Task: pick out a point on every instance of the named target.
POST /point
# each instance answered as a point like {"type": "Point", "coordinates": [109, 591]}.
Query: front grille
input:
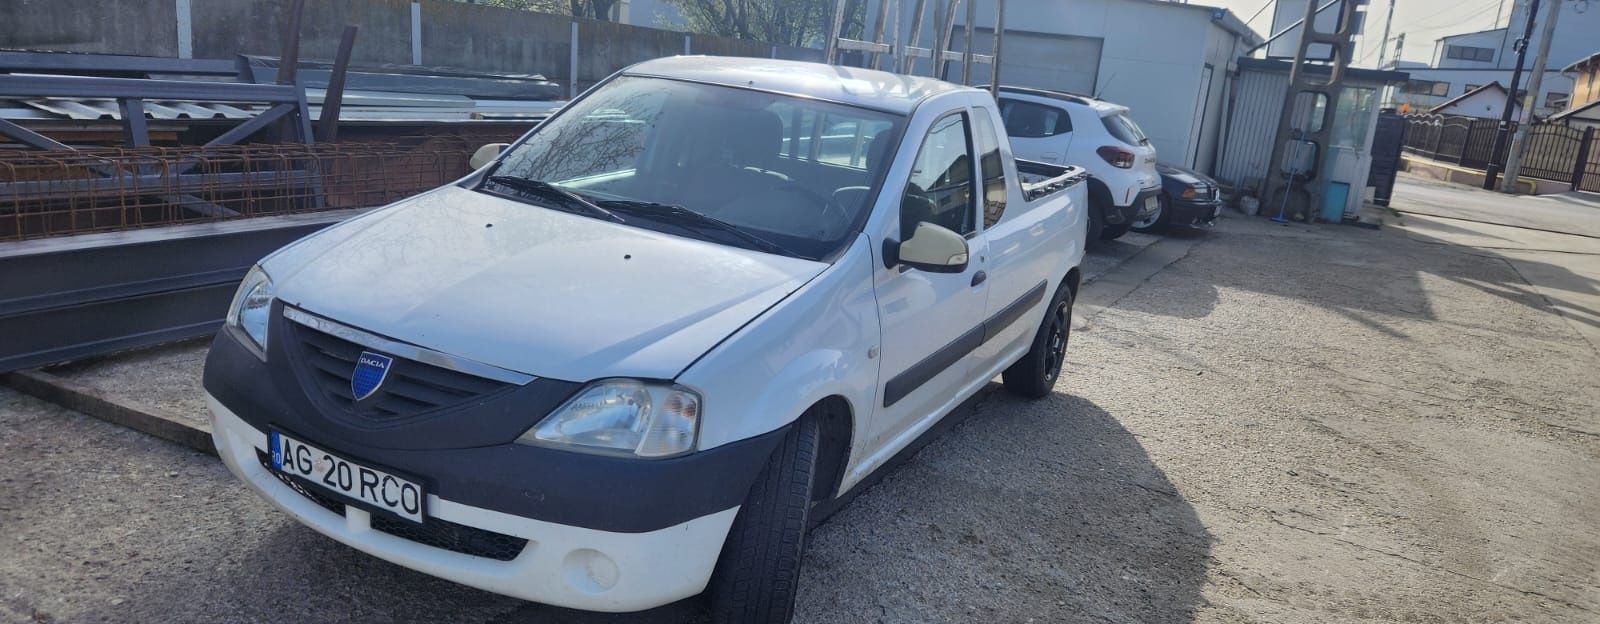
{"type": "Point", "coordinates": [453, 537]}
{"type": "Point", "coordinates": [458, 538]}
{"type": "Point", "coordinates": [411, 387]}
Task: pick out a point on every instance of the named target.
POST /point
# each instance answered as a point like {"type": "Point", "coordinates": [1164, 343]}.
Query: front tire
{"type": "Point", "coordinates": [1034, 376]}
{"type": "Point", "coordinates": [759, 569]}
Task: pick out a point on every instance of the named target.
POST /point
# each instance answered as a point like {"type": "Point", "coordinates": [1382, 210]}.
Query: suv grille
{"type": "Point", "coordinates": [411, 387]}
{"type": "Point", "coordinates": [458, 538]}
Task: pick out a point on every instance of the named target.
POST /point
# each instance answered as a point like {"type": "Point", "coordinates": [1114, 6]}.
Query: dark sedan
{"type": "Point", "coordinates": [1187, 198]}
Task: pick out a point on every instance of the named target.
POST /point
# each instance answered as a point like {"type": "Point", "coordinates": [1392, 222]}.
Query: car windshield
{"type": "Point", "coordinates": [733, 166]}
{"type": "Point", "coordinates": [1122, 127]}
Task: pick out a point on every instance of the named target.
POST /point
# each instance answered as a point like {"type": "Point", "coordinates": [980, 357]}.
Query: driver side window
{"type": "Point", "coordinates": [940, 190]}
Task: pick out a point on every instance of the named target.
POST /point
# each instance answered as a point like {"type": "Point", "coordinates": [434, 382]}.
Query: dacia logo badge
{"type": "Point", "coordinates": [371, 370]}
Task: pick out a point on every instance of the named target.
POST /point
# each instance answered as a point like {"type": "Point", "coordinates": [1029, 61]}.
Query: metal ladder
{"type": "Point", "coordinates": [903, 59]}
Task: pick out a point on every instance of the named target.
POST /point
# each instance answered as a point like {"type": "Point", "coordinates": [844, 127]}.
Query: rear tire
{"type": "Point", "coordinates": [1097, 224]}
{"type": "Point", "coordinates": [1113, 232]}
{"type": "Point", "coordinates": [759, 569]}
{"type": "Point", "coordinates": [1034, 376]}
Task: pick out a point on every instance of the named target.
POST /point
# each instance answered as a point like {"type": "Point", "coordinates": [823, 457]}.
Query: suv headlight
{"type": "Point", "coordinates": [252, 305]}
{"type": "Point", "coordinates": [623, 417]}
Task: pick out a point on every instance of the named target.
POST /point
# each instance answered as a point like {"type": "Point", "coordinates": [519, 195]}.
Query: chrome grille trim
{"type": "Point", "coordinates": [407, 351]}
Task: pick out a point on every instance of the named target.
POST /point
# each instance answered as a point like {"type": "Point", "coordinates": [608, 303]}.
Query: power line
{"type": "Point", "coordinates": [1471, 16]}
{"type": "Point", "coordinates": [1259, 11]}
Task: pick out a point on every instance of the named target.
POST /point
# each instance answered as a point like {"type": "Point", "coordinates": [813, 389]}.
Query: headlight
{"type": "Point", "coordinates": [623, 417]}
{"type": "Point", "coordinates": [1191, 193]}
{"type": "Point", "coordinates": [252, 305]}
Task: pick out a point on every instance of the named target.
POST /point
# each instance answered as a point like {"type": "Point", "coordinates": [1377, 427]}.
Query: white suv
{"type": "Point", "coordinates": [1057, 127]}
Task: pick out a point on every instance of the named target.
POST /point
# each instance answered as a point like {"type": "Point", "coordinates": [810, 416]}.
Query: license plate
{"type": "Point", "coordinates": [376, 488]}
{"type": "Point", "coordinates": [1152, 203]}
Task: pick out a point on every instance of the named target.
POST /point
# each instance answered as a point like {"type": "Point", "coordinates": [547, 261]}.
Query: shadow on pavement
{"type": "Point", "coordinates": [1373, 272]}
{"type": "Point", "coordinates": [1048, 511]}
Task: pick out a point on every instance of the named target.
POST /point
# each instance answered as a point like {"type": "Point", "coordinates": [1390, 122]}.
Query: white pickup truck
{"type": "Point", "coordinates": [619, 365]}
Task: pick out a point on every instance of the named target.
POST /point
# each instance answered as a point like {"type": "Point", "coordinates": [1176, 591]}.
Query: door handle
{"type": "Point", "coordinates": [979, 278]}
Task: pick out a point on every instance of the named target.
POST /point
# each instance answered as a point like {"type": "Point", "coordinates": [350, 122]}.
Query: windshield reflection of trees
{"type": "Point", "coordinates": [605, 136]}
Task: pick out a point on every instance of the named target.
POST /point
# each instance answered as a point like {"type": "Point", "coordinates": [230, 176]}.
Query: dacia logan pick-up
{"type": "Point", "coordinates": [618, 365]}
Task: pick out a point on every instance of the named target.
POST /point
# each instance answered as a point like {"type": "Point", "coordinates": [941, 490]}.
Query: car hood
{"type": "Point", "coordinates": [1185, 176]}
{"type": "Point", "coordinates": [530, 289]}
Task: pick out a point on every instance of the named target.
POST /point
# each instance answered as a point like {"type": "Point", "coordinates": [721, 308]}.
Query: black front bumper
{"type": "Point", "coordinates": [446, 449]}
{"type": "Point", "coordinates": [1186, 212]}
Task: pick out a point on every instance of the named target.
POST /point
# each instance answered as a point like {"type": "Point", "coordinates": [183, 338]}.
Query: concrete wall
{"type": "Point", "coordinates": [224, 28]}
{"type": "Point", "coordinates": [149, 26]}
{"type": "Point", "coordinates": [453, 34]}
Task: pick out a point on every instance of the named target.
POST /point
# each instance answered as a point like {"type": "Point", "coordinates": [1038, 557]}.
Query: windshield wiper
{"type": "Point", "coordinates": [566, 198]}
{"type": "Point", "coordinates": [682, 215]}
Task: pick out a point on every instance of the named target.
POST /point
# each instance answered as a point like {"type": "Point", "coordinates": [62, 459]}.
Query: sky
{"type": "Point", "coordinates": [1421, 20]}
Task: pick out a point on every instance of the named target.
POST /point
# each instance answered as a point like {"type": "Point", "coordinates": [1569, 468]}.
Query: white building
{"type": "Point", "coordinates": [1485, 102]}
{"type": "Point", "coordinates": [1168, 62]}
{"type": "Point", "coordinates": [1463, 62]}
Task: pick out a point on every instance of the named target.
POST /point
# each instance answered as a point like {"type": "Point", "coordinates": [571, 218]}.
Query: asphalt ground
{"type": "Point", "coordinates": [1281, 424]}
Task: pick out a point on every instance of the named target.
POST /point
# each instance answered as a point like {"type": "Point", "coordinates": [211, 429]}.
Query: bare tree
{"type": "Point", "coordinates": [788, 22]}
{"type": "Point", "coordinates": [591, 9]}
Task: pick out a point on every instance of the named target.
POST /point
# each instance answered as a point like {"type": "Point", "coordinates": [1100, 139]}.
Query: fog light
{"type": "Point", "coordinates": [589, 571]}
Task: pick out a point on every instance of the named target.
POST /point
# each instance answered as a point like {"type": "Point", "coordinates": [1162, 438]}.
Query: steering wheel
{"type": "Point", "coordinates": [824, 203]}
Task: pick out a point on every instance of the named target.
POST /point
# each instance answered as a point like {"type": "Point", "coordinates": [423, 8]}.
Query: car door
{"type": "Point", "coordinates": [1038, 131]}
{"type": "Point", "coordinates": [929, 322]}
{"type": "Point", "coordinates": [1025, 250]}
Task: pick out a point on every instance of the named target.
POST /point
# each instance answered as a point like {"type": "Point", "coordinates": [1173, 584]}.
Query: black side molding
{"type": "Point", "coordinates": [920, 373]}
{"type": "Point", "coordinates": [1008, 315]}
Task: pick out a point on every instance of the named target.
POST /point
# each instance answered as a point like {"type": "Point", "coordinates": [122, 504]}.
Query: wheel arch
{"type": "Point", "coordinates": [1100, 195]}
{"type": "Point", "coordinates": [836, 421]}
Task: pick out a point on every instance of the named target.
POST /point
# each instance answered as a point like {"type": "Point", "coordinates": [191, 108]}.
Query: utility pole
{"type": "Point", "coordinates": [1518, 142]}
{"type": "Point", "coordinates": [1383, 48]}
{"type": "Point", "coordinates": [1501, 133]}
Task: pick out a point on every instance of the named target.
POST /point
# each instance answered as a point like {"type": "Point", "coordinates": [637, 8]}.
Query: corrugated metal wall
{"type": "Point", "coordinates": [1256, 106]}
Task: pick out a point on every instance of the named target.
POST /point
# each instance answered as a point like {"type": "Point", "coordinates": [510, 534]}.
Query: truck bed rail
{"type": "Point", "coordinates": [1040, 179]}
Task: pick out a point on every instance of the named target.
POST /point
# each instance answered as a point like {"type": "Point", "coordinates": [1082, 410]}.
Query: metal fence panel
{"type": "Point", "coordinates": [1550, 152]}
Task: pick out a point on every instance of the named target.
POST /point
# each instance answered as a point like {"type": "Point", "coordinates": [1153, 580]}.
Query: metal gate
{"type": "Point", "coordinates": [1552, 152]}
{"type": "Point", "coordinates": [1387, 142]}
{"type": "Point", "coordinates": [1589, 163]}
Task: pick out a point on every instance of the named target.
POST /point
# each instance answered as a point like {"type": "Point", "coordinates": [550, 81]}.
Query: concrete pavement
{"type": "Point", "coordinates": [1280, 424]}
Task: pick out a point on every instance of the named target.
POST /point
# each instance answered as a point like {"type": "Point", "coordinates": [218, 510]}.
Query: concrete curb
{"type": "Point", "coordinates": [1139, 265]}
{"type": "Point", "coordinates": [83, 399]}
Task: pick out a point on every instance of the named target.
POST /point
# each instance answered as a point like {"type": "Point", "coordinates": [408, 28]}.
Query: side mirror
{"type": "Point", "coordinates": [935, 249]}
{"type": "Point", "coordinates": [486, 155]}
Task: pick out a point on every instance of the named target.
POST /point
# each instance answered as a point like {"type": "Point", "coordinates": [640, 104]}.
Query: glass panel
{"type": "Point", "coordinates": [1350, 120]}
{"type": "Point", "coordinates": [940, 188]}
{"type": "Point", "coordinates": [1122, 127]}
{"type": "Point", "coordinates": [1317, 115]}
{"type": "Point", "coordinates": [741, 156]}
{"type": "Point", "coordinates": [1030, 120]}
{"type": "Point", "coordinates": [993, 171]}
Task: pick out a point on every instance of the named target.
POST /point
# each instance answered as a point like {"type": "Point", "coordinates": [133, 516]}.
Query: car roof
{"type": "Point", "coordinates": [867, 88]}
{"type": "Point", "coordinates": [1102, 107]}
